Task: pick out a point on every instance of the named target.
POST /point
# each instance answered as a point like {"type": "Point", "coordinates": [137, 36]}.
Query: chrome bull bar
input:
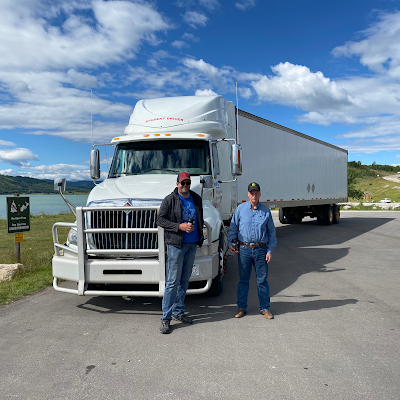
{"type": "Point", "coordinates": [86, 246]}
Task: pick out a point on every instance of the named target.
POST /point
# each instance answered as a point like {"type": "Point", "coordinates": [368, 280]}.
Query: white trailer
{"type": "Point", "coordinates": [301, 175]}
{"type": "Point", "coordinates": [115, 247]}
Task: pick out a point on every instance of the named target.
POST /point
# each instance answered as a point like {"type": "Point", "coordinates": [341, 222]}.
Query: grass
{"type": "Point", "coordinates": [36, 254]}
{"type": "Point", "coordinates": [379, 188]}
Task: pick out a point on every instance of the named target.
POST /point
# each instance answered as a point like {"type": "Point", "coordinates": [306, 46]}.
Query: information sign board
{"type": "Point", "coordinates": [18, 214]}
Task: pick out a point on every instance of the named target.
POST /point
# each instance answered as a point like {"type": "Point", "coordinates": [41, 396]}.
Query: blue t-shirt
{"type": "Point", "coordinates": [188, 211]}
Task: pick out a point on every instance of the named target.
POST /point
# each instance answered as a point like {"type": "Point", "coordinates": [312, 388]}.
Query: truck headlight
{"type": "Point", "coordinates": [73, 237]}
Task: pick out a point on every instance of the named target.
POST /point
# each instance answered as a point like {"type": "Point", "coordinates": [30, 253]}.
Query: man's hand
{"type": "Point", "coordinates": [232, 250]}
{"type": "Point", "coordinates": [185, 227]}
{"type": "Point", "coordinates": [268, 257]}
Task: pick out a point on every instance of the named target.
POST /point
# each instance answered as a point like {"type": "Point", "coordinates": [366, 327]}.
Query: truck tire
{"type": "Point", "coordinates": [282, 219]}
{"type": "Point", "coordinates": [288, 217]}
{"type": "Point", "coordinates": [328, 214]}
{"type": "Point", "coordinates": [217, 283]}
{"type": "Point", "coordinates": [336, 214]}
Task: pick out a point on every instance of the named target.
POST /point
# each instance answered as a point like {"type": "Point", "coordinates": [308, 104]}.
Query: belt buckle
{"type": "Point", "coordinates": [253, 244]}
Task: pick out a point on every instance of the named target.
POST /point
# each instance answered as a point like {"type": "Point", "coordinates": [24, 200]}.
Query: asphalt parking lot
{"type": "Point", "coordinates": [336, 332]}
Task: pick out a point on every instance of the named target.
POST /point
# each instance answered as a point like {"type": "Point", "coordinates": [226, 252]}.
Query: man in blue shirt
{"type": "Point", "coordinates": [181, 216]}
{"type": "Point", "coordinates": [253, 226]}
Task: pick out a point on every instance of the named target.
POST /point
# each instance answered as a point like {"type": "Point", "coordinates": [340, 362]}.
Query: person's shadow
{"type": "Point", "coordinates": [302, 249]}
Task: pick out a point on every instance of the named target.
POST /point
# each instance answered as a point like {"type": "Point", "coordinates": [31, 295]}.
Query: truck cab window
{"type": "Point", "coordinates": [161, 157]}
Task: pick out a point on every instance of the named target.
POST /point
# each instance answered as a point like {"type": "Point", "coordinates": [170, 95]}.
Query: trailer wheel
{"type": "Point", "coordinates": [336, 214]}
{"type": "Point", "coordinates": [288, 217]}
{"type": "Point", "coordinates": [328, 214]}
{"type": "Point", "coordinates": [282, 219]}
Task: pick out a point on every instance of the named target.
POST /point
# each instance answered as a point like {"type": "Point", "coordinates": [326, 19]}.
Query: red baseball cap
{"type": "Point", "coordinates": [182, 176]}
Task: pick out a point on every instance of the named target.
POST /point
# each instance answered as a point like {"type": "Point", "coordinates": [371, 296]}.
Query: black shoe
{"type": "Point", "coordinates": [164, 328]}
{"type": "Point", "coordinates": [183, 318]}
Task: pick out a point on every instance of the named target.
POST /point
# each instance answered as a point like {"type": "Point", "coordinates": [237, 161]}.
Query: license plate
{"type": "Point", "coordinates": [195, 270]}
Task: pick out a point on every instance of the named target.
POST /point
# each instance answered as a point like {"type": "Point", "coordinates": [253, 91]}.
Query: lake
{"type": "Point", "coordinates": [45, 203]}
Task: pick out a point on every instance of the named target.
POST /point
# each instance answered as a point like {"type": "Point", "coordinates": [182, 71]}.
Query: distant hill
{"type": "Point", "coordinates": [367, 180]}
{"type": "Point", "coordinates": [22, 185]}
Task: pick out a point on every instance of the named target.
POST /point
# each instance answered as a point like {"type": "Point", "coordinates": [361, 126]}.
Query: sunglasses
{"type": "Point", "coordinates": [185, 183]}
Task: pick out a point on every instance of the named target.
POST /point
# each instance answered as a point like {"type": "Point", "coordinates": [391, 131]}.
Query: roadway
{"type": "Point", "coordinates": [335, 296]}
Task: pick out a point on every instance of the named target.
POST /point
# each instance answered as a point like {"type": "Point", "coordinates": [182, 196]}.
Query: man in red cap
{"type": "Point", "coordinates": [181, 216]}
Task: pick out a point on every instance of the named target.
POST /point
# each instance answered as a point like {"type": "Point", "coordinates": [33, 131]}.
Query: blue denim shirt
{"type": "Point", "coordinates": [253, 226]}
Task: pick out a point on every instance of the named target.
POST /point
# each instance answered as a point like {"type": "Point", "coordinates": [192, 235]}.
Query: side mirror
{"type": "Point", "coordinates": [236, 160]}
{"type": "Point", "coordinates": [207, 181]}
{"type": "Point", "coordinates": [60, 183]}
{"type": "Point", "coordinates": [95, 164]}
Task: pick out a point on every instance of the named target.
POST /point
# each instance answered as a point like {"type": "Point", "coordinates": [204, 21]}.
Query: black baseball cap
{"type": "Point", "coordinates": [254, 186]}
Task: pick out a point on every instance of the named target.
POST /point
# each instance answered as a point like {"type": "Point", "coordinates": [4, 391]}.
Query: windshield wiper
{"type": "Point", "coordinates": [116, 174]}
{"type": "Point", "coordinates": [161, 169]}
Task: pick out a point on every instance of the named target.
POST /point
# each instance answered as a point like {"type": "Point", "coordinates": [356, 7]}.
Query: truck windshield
{"type": "Point", "coordinates": [161, 157]}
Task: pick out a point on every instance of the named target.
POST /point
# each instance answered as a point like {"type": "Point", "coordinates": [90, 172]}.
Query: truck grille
{"type": "Point", "coordinates": [122, 219]}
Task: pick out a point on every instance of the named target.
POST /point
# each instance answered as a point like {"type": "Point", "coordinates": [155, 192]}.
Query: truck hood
{"type": "Point", "coordinates": [148, 187]}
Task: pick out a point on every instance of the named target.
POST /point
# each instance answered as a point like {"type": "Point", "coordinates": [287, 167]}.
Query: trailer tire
{"type": "Point", "coordinates": [288, 217]}
{"type": "Point", "coordinates": [336, 214]}
{"type": "Point", "coordinates": [328, 214]}
{"type": "Point", "coordinates": [282, 218]}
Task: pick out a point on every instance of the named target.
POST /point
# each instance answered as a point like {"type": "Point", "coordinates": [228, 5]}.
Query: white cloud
{"type": "Point", "coordinates": [6, 143]}
{"type": "Point", "coordinates": [191, 37]}
{"type": "Point", "coordinates": [179, 44]}
{"type": "Point", "coordinates": [245, 5]}
{"type": "Point", "coordinates": [205, 92]}
{"type": "Point", "coordinates": [115, 33]}
{"type": "Point", "coordinates": [220, 78]}
{"type": "Point", "coordinates": [210, 4]}
{"type": "Point", "coordinates": [80, 79]}
{"type": "Point", "coordinates": [18, 157]}
{"type": "Point", "coordinates": [380, 50]}
{"type": "Point", "coordinates": [245, 92]}
{"type": "Point", "coordinates": [296, 85]}
{"type": "Point", "coordinates": [50, 108]}
{"type": "Point", "coordinates": [195, 19]}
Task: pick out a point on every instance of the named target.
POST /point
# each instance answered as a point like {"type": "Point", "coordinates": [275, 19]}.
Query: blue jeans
{"type": "Point", "coordinates": [180, 264]}
{"type": "Point", "coordinates": [247, 258]}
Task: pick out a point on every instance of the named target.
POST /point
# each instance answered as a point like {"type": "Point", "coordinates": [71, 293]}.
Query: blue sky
{"type": "Point", "coordinates": [327, 69]}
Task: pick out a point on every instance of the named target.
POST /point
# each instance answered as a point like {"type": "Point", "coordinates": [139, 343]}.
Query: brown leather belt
{"type": "Point", "coordinates": [252, 245]}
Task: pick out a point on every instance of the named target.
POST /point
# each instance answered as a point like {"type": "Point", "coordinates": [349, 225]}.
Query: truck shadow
{"type": "Point", "coordinates": [302, 249]}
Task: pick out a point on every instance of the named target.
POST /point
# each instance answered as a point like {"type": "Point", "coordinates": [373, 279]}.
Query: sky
{"type": "Point", "coordinates": [330, 70]}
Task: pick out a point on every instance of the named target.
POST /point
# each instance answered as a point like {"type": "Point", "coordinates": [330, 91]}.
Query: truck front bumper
{"type": "Point", "coordinates": [137, 271]}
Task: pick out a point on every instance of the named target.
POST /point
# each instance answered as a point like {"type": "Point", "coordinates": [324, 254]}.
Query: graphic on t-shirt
{"type": "Point", "coordinates": [188, 211]}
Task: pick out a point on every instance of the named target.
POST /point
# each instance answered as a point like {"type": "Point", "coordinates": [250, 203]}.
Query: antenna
{"type": "Point", "coordinates": [91, 113]}
{"type": "Point", "coordinates": [237, 114]}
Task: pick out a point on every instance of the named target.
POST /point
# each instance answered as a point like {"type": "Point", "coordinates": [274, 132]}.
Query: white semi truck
{"type": "Point", "coordinates": [115, 247]}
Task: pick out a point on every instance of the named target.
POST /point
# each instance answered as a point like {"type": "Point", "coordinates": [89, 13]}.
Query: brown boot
{"type": "Point", "coordinates": [240, 313]}
{"type": "Point", "coordinates": [267, 314]}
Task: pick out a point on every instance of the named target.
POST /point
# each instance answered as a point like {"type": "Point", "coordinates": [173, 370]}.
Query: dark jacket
{"type": "Point", "coordinates": [170, 217]}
